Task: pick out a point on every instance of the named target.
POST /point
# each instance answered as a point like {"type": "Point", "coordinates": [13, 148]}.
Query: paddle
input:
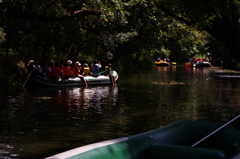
{"type": "Point", "coordinates": [28, 77]}
{"type": "Point", "coordinates": [215, 131]}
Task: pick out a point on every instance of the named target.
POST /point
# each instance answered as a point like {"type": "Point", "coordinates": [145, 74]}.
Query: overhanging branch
{"type": "Point", "coordinates": [168, 12]}
{"type": "Point", "coordinates": [43, 18]}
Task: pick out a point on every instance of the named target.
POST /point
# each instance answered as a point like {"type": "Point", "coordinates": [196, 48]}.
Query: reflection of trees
{"type": "Point", "coordinates": [199, 98]}
{"type": "Point", "coordinates": [228, 94]}
{"type": "Point", "coordinates": [48, 116]}
{"type": "Point", "coordinates": [198, 70]}
{"type": "Point", "coordinates": [77, 102]}
{"type": "Point", "coordinates": [162, 68]}
{"type": "Point", "coordinates": [66, 118]}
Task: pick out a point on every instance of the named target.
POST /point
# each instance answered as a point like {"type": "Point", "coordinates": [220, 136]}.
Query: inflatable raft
{"type": "Point", "coordinates": [100, 80]}
{"type": "Point", "coordinates": [173, 141]}
{"type": "Point", "coordinates": [162, 63]}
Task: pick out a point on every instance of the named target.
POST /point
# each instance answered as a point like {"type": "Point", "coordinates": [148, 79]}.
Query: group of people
{"type": "Point", "coordinates": [68, 69]}
{"type": "Point", "coordinates": [198, 60]}
{"type": "Point", "coordinates": [163, 59]}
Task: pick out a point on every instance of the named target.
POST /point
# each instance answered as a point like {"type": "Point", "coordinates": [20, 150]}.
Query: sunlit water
{"type": "Point", "coordinates": [40, 122]}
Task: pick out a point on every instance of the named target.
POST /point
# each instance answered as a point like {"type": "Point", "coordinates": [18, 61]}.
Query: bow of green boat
{"type": "Point", "coordinates": [169, 142]}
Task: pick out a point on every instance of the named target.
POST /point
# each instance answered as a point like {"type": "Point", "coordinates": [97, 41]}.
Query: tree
{"type": "Point", "coordinates": [62, 27]}
{"type": "Point", "coordinates": [220, 18]}
{"type": "Point", "coordinates": [130, 29]}
{"type": "Point", "coordinates": [45, 11]}
{"type": "Point", "coordinates": [2, 36]}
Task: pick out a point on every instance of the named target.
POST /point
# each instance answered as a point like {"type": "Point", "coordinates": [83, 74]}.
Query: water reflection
{"type": "Point", "coordinates": [163, 68]}
{"type": "Point", "coordinates": [200, 96]}
{"type": "Point", "coordinates": [45, 115]}
{"type": "Point", "coordinates": [75, 102]}
{"type": "Point", "coordinates": [198, 70]}
{"type": "Point", "coordinates": [41, 122]}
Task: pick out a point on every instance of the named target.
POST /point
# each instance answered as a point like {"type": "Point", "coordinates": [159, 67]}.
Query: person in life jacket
{"type": "Point", "coordinates": [108, 69]}
{"type": "Point", "coordinates": [86, 70]}
{"type": "Point", "coordinates": [66, 71]}
{"type": "Point", "coordinates": [32, 68]}
{"type": "Point", "coordinates": [76, 69]}
{"type": "Point", "coordinates": [76, 72]}
{"type": "Point", "coordinates": [69, 62]}
{"type": "Point", "coordinates": [55, 71]}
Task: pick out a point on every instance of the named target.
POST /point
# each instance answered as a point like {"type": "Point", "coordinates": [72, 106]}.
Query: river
{"type": "Point", "coordinates": [40, 122]}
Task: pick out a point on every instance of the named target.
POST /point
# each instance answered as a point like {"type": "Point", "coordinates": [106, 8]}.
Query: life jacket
{"type": "Point", "coordinates": [66, 71]}
{"type": "Point", "coordinates": [75, 71]}
{"type": "Point", "coordinates": [86, 71]}
{"type": "Point", "coordinates": [55, 71]}
{"type": "Point", "coordinates": [107, 70]}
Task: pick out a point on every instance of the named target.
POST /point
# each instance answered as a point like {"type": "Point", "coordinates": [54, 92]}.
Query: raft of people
{"type": "Point", "coordinates": [66, 70]}
{"type": "Point", "coordinates": [198, 60]}
{"type": "Point", "coordinates": [163, 59]}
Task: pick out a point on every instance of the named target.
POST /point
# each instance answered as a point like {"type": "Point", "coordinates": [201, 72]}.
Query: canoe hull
{"type": "Point", "coordinates": [100, 80]}
{"type": "Point", "coordinates": [200, 64]}
{"type": "Point", "coordinates": [173, 63]}
{"type": "Point", "coordinates": [203, 64]}
{"type": "Point", "coordinates": [163, 142]}
{"type": "Point", "coordinates": [162, 63]}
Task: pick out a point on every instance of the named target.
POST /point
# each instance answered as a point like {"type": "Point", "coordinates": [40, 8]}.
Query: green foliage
{"type": "Point", "coordinates": [185, 42]}
{"type": "Point", "coordinates": [2, 35]}
{"type": "Point", "coordinates": [220, 18]}
{"type": "Point", "coordinates": [126, 32]}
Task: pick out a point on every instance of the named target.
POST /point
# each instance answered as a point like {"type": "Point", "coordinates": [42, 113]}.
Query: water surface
{"type": "Point", "coordinates": [39, 122]}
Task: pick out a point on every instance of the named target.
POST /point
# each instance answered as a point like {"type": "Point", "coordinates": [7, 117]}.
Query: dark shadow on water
{"type": "Point", "coordinates": [39, 122]}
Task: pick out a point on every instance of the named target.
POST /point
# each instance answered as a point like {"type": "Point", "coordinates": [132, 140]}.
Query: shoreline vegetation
{"type": "Point", "coordinates": [131, 33]}
{"type": "Point", "coordinates": [13, 69]}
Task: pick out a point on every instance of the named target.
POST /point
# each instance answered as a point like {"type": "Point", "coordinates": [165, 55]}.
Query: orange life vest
{"type": "Point", "coordinates": [66, 71]}
{"type": "Point", "coordinates": [75, 71]}
{"type": "Point", "coordinates": [55, 71]}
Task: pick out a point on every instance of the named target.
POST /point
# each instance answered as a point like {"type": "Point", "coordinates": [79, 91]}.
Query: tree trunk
{"type": "Point", "coordinates": [7, 47]}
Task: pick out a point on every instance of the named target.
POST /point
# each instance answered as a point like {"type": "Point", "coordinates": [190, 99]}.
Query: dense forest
{"type": "Point", "coordinates": [129, 33]}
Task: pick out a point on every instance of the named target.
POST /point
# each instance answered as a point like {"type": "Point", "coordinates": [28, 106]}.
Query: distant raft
{"type": "Point", "coordinates": [162, 63]}
{"type": "Point", "coordinates": [199, 64]}
{"type": "Point", "coordinates": [203, 64]}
